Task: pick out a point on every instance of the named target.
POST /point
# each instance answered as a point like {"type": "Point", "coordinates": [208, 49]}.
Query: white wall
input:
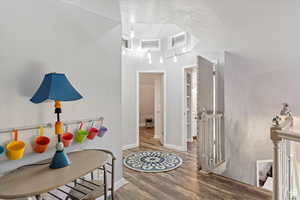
{"type": "Point", "coordinates": [261, 69]}
{"type": "Point", "coordinates": [38, 37]}
{"type": "Point", "coordinates": [134, 62]}
{"type": "Point", "coordinates": [261, 72]}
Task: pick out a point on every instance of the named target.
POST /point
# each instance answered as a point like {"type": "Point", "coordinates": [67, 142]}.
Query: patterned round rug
{"type": "Point", "coordinates": [152, 161]}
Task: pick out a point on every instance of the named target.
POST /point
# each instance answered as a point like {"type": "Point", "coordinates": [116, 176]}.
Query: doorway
{"type": "Point", "coordinates": [151, 108]}
{"type": "Point", "coordinates": [190, 105]}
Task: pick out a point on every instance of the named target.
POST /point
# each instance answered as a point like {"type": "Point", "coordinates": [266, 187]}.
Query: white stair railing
{"type": "Point", "coordinates": [211, 141]}
{"type": "Point", "coordinates": [285, 174]}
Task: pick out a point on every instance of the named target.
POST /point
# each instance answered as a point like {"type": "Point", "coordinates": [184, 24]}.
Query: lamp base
{"type": "Point", "coordinates": [60, 160]}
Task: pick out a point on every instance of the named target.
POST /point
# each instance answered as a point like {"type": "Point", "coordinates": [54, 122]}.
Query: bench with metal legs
{"type": "Point", "coordinates": [40, 182]}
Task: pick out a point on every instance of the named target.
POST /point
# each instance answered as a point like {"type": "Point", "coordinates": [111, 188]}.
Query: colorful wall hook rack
{"type": "Point", "coordinates": [50, 125]}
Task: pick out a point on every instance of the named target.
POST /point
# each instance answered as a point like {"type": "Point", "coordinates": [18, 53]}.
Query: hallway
{"type": "Point", "coordinates": [184, 183]}
{"type": "Point", "coordinates": [147, 137]}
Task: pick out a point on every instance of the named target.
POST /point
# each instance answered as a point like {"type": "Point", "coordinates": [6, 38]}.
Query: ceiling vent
{"type": "Point", "coordinates": [180, 40]}
{"type": "Point", "coordinates": [152, 44]}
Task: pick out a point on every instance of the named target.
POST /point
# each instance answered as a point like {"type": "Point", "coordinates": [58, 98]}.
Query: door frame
{"type": "Point", "coordinates": [184, 130]}
{"type": "Point", "coordinates": [164, 76]}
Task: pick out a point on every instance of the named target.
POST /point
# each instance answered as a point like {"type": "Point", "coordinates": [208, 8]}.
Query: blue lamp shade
{"type": "Point", "coordinates": [55, 87]}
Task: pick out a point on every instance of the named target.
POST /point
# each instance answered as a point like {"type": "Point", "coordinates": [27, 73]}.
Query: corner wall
{"type": "Point", "coordinates": [261, 72]}
{"type": "Point", "coordinates": [38, 37]}
{"type": "Point", "coordinates": [252, 98]}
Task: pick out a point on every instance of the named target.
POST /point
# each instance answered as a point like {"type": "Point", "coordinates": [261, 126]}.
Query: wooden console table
{"type": "Point", "coordinates": [37, 179]}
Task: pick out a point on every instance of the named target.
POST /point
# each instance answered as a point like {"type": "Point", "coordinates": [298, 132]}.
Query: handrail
{"type": "Point", "coordinates": [49, 125]}
{"type": "Point", "coordinates": [289, 135]}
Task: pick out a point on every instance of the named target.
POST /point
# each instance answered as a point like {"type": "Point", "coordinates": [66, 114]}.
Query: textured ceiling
{"type": "Point", "coordinates": [164, 11]}
{"type": "Point", "coordinates": [234, 25]}
{"type": "Point", "coordinates": [104, 8]}
{"type": "Point", "coordinates": [155, 17]}
{"type": "Point", "coordinates": [220, 25]}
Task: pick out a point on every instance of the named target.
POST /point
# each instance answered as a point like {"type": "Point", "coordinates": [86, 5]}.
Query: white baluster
{"type": "Point", "coordinates": [276, 171]}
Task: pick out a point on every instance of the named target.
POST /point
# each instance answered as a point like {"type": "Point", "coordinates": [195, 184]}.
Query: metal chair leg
{"type": "Point", "coordinates": [112, 177]}
{"type": "Point", "coordinates": [92, 176]}
{"type": "Point", "coordinates": [105, 182]}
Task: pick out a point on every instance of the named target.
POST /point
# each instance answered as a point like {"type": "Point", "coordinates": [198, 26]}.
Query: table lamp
{"type": "Point", "coordinates": [57, 87]}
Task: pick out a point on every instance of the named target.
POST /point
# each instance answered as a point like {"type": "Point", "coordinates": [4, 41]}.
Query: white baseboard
{"type": "Point", "coordinates": [176, 147]}
{"type": "Point", "coordinates": [120, 183]}
{"type": "Point", "coordinates": [129, 146]}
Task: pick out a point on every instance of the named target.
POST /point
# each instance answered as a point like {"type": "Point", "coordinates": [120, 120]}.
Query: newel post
{"type": "Point", "coordinates": [276, 160]}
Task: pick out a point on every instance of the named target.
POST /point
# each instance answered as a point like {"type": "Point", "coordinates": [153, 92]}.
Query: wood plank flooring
{"type": "Point", "coordinates": [184, 183]}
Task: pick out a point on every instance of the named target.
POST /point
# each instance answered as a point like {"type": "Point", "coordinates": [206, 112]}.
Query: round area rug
{"type": "Point", "coordinates": [152, 161]}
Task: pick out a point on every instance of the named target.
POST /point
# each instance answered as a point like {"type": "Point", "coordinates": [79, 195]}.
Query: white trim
{"type": "Point", "coordinates": [137, 128]}
{"type": "Point", "coordinates": [176, 147]}
{"type": "Point", "coordinates": [183, 122]}
{"type": "Point", "coordinates": [129, 146]}
{"type": "Point", "coordinates": [165, 107]}
{"type": "Point", "coordinates": [164, 74]}
{"type": "Point", "coordinates": [120, 183]}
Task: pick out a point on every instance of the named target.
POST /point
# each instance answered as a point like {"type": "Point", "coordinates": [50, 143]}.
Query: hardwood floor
{"type": "Point", "coordinates": [147, 137]}
{"type": "Point", "coordinates": [184, 183]}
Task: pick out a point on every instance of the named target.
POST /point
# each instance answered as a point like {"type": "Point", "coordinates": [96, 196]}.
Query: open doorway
{"type": "Point", "coordinates": [151, 104]}
{"type": "Point", "coordinates": [190, 105]}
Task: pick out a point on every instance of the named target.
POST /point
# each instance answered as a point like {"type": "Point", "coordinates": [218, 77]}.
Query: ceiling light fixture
{"type": "Point", "coordinates": [161, 60]}
{"type": "Point", "coordinates": [132, 19]}
{"type": "Point", "coordinates": [175, 59]}
{"type": "Point", "coordinates": [132, 34]}
{"type": "Point", "coordinates": [149, 56]}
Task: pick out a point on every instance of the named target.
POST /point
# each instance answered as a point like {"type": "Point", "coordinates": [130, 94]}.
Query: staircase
{"type": "Point", "coordinates": [285, 166]}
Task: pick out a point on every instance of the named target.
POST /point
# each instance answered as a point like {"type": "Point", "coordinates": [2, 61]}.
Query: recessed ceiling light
{"type": "Point", "coordinates": [132, 34]}
{"type": "Point", "coordinates": [161, 60]}
{"type": "Point", "coordinates": [132, 19]}
{"type": "Point", "coordinates": [149, 55]}
{"type": "Point", "coordinates": [175, 59]}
